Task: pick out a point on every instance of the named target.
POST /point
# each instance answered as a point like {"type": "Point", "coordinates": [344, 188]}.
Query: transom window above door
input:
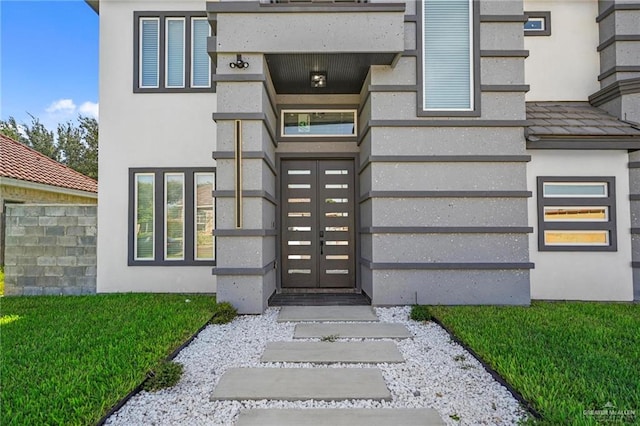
{"type": "Point", "coordinates": [318, 123]}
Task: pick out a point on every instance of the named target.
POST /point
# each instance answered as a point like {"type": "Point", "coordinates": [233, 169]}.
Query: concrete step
{"type": "Point", "coordinates": [340, 417]}
{"type": "Point", "coordinates": [299, 384]}
{"type": "Point", "coordinates": [330, 352]}
{"type": "Point", "coordinates": [326, 313]}
{"type": "Point", "coordinates": [379, 330]}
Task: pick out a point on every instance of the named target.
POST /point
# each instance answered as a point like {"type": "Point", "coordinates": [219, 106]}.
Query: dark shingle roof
{"type": "Point", "coordinates": [18, 161]}
{"type": "Point", "coordinates": [576, 119]}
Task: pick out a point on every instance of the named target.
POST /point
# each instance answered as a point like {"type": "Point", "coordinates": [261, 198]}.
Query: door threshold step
{"type": "Point", "coordinates": [376, 330]}
{"type": "Point", "coordinates": [332, 352]}
{"type": "Point", "coordinates": [319, 299]}
{"type": "Point", "coordinates": [299, 384]}
{"type": "Point", "coordinates": [326, 313]}
{"type": "Point", "coordinates": [340, 417]}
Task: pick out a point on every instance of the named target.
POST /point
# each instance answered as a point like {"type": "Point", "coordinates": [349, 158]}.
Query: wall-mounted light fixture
{"type": "Point", "coordinates": [239, 63]}
{"type": "Point", "coordinates": [318, 79]}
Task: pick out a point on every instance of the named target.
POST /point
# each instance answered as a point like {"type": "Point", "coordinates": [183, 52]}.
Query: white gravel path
{"type": "Point", "coordinates": [438, 373]}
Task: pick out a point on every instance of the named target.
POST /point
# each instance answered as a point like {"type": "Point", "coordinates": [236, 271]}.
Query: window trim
{"type": "Point", "coordinates": [159, 216]}
{"type": "Point", "coordinates": [608, 201]}
{"type": "Point", "coordinates": [545, 16]}
{"type": "Point", "coordinates": [474, 87]}
{"type": "Point", "coordinates": [137, 45]}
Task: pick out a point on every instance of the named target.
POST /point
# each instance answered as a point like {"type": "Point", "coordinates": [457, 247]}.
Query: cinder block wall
{"type": "Point", "coordinates": [50, 249]}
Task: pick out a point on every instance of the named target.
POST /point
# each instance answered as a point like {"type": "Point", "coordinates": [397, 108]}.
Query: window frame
{"type": "Point", "coordinates": [164, 17]}
{"type": "Point", "coordinates": [285, 111]}
{"type": "Point", "coordinates": [474, 63]}
{"type": "Point", "coordinates": [545, 16]}
{"type": "Point", "coordinates": [159, 215]}
{"type": "Point", "coordinates": [608, 201]}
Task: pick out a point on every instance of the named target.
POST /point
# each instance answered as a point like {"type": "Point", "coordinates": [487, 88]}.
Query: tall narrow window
{"type": "Point", "coordinates": [200, 61]}
{"type": "Point", "coordinates": [204, 216]}
{"type": "Point", "coordinates": [149, 52]}
{"type": "Point", "coordinates": [447, 40]}
{"type": "Point", "coordinates": [144, 223]}
{"type": "Point", "coordinates": [175, 52]}
{"type": "Point", "coordinates": [174, 215]}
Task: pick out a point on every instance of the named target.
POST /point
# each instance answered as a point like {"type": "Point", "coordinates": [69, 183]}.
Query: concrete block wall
{"type": "Point", "coordinates": [19, 194]}
{"type": "Point", "coordinates": [444, 206]}
{"type": "Point", "coordinates": [50, 249]}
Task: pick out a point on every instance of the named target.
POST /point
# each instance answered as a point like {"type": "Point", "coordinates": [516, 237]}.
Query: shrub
{"type": "Point", "coordinates": [165, 376]}
{"type": "Point", "coordinates": [223, 313]}
{"type": "Point", "coordinates": [420, 313]}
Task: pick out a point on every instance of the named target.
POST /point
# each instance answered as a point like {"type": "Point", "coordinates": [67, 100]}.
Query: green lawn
{"type": "Point", "coordinates": [564, 358]}
{"type": "Point", "coordinates": [68, 360]}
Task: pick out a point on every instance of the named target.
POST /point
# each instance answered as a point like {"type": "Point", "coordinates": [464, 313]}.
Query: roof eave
{"type": "Point", "coordinates": [630, 143]}
{"type": "Point", "coordinates": [19, 183]}
{"type": "Point", "coordinates": [94, 4]}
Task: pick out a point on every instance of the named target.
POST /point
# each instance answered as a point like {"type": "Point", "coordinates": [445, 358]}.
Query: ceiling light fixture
{"type": "Point", "coordinates": [318, 79]}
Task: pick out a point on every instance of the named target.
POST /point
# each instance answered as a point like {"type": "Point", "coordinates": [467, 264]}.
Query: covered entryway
{"type": "Point", "coordinates": [317, 224]}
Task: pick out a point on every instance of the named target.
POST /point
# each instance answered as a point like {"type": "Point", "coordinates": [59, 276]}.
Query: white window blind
{"type": "Point", "coordinates": [175, 52]}
{"type": "Point", "coordinates": [200, 62]}
{"type": "Point", "coordinates": [149, 52]}
{"type": "Point", "coordinates": [447, 55]}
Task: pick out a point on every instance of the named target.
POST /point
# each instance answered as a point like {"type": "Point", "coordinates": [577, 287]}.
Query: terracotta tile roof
{"type": "Point", "coordinates": [576, 119]}
{"type": "Point", "coordinates": [18, 161]}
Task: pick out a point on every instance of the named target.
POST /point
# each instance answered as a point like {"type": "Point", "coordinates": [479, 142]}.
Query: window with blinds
{"type": "Point", "coordinates": [171, 52]}
{"type": "Point", "coordinates": [200, 61]}
{"type": "Point", "coordinates": [447, 55]}
{"type": "Point", "coordinates": [175, 52]}
{"type": "Point", "coordinates": [149, 52]}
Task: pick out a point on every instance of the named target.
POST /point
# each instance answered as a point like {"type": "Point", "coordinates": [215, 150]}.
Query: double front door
{"type": "Point", "coordinates": [318, 224]}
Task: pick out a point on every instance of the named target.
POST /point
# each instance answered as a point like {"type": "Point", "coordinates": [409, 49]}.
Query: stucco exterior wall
{"type": "Point", "coordinates": [143, 130]}
{"type": "Point", "coordinates": [582, 275]}
{"type": "Point", "coordinates": [565, 65]}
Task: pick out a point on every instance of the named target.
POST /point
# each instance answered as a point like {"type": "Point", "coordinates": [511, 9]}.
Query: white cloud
{"type": "Point", "coordinates": [89, 109]}
{"type": "Point", "coordinates": [64, 106]}
{"type": "Point", "coordinates": [64, 110]}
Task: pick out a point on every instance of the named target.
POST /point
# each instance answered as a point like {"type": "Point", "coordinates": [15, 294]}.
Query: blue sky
{"type": "Point", "coordinates": [48, 60]}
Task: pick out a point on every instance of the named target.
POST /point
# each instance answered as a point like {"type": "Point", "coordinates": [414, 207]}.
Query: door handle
{"type": "Point", "coordinates": [321, 247]}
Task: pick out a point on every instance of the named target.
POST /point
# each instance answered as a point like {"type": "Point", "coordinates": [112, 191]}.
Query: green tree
{"type": "Point", "coordinates": [11, 129]}
{"type": "Point", "coordinates": [41, 139]}
{"type": "Point", "coordinates": [75, 145]}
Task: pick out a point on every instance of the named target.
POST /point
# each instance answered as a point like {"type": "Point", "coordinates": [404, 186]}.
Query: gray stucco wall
{"type": "Point", "coordinates": [245, 265]}
{"type": "Point", "coordinates": [634, 189]}
{"type": "Point", "coordinates": [50, 249]}
{"type": "Point", "coordinates": [442, 200]}
{"type": "Point", "coordinates": [444, 206]}
{"type": "Point", "coordinates": [619, 31]}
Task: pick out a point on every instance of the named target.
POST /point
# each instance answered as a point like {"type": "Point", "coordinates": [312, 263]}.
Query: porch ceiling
{"type": "Point", "coordinates": [346, 72]}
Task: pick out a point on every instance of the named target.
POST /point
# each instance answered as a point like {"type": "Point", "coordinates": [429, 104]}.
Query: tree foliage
{"type": "Point", "coordinates": [72, 144]}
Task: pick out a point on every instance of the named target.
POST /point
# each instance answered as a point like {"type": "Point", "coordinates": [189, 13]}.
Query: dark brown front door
{"type": "Point", "coordinates": [318, 224]}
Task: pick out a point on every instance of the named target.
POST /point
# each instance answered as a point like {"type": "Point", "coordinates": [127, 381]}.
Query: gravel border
{"type": "Point", "coordinates": [438, 373]}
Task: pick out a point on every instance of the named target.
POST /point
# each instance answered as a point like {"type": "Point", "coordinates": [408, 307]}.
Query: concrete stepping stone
{"type": "Point", "coordinates": [340, 417]}
{"type": "Point", "coordinates": [299, 384]}
{"type": "Point", "coordinates": [329, 352]}
{"type": "Point", "coordinates": [326, 313]}
{"type": "Point", "coordinates": [380, 330]}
